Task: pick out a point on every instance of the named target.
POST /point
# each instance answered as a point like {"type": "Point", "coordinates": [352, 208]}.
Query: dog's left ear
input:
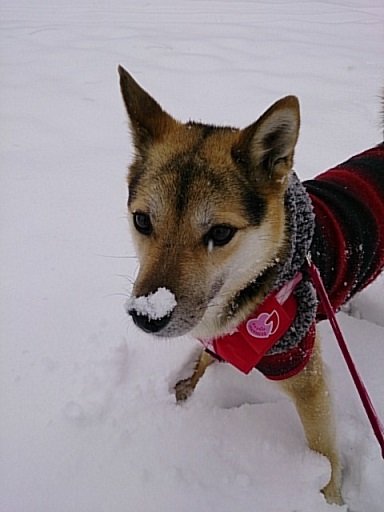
{"type": "Point", "coordinates": [149, 122]}
{"type": "Point", "coordinates": [269, 143]}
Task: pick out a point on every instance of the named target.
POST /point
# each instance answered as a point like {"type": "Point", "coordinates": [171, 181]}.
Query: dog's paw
{"type": "Point", "coordinates": [184, 389]}
{"type": "Point", "coordinates": [332, 494]}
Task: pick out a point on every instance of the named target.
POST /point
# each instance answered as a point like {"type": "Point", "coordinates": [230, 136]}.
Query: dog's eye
{"type": "Point", "coordinates": [142, 223]}
{"type": "Point", "coordinates": [219, 235]}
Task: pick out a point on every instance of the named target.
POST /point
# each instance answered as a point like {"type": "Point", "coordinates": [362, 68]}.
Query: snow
{"type": "Point", "coordinates": [155, 305]}
{"type": "Point", "coordinates": [89, 420]}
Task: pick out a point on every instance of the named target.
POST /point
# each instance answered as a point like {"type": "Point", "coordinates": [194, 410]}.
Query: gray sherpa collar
{"type": "Point", "coordinates": [300, 221]}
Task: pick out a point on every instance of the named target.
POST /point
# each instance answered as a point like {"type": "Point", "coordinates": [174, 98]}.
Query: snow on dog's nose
{"type": "Point", "coordinates": [152, 312]}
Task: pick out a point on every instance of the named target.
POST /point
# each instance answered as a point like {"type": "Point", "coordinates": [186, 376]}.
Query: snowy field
{"type": "Point", "coordinates": [89, 422]}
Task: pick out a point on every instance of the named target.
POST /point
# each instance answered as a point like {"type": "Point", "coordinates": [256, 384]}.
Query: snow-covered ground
{"type": "Point", "coordinates": [89, 421]}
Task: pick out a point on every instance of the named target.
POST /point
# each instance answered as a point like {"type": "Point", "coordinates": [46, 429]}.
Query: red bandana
{"type": "Point", "coordinates": [252, 339]}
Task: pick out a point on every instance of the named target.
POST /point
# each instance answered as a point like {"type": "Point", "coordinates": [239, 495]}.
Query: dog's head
{"type": "Point", "coordinates": [206, 206]}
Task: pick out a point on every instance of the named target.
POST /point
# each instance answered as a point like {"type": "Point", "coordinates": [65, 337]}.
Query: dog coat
{"type": "Point", "coordinates": [345, 235]}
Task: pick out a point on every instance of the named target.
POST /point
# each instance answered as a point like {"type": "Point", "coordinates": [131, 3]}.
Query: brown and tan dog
{"type": "Point", "coordinates": [215, 234]}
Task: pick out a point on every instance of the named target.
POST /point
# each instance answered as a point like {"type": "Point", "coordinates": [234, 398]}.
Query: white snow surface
{"type": "Point", "coordinates": [154, 305]}
{"type": "Point", "coordinates": [89, 421]}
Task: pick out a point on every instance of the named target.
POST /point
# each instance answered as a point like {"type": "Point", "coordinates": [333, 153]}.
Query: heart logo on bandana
{"type": "Point", "coordinates": [264, 326]}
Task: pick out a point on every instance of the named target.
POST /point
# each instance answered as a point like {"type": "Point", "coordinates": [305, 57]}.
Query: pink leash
{"type": "Point", "coordinates": [364, 396]}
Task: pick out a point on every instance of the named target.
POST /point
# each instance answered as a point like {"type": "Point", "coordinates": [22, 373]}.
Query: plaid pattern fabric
{"type": "Point", "coordinates": [348, 242]}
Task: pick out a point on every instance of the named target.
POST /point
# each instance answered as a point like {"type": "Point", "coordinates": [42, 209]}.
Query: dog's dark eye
{"type": "Point", "coordinates": [142, 223]}
{"type": "Point", "coordinates": [219, 235]}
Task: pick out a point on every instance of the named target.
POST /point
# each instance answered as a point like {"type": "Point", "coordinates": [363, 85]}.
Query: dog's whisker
{"type": "Point", "coordinates": [117, 294]}
{"type": "Point", "coordinates": [118, 257]}
{"type": "Point", "coordinates": [131, 280]}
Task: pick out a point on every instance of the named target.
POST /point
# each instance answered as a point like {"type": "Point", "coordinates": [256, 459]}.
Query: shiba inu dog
{"type": "Point", "coordinates": [222, 227]}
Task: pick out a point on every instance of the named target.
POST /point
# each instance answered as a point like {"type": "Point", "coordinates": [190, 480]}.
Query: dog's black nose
{"type": "Point", "coordinates": [148, 324]}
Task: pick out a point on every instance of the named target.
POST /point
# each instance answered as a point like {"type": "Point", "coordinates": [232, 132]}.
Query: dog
{"type": "Point", "coordinates": [223, 228]}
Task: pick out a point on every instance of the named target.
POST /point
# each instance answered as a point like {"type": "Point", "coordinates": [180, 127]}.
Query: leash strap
{"type": "Point", "coordinates": [363, 393]}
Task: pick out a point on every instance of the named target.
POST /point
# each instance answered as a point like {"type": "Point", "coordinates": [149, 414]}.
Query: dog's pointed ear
{"type": "Point", "coordinates": [269, 143]}
{"type": "Point", "coordinates": [148, 120]}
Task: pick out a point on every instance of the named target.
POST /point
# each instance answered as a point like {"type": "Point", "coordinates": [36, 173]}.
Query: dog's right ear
{"type": "Point", "coordinates": [148, 120]}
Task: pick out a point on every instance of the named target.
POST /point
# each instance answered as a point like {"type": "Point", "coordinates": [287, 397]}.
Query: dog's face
{"type": "Point", "coordinates": [206, 205]}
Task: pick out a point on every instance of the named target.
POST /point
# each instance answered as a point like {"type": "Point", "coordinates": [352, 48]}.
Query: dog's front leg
{"type": "Point", "coordinates": [310, 394]}
{"type": "Point", "coordinates": [184, 388]}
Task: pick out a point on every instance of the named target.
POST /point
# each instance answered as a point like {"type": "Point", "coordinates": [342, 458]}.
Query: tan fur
{"type": "Point", "coordinates": [310, 395]}
{"type": "Point", "coordinates": [184, 388]}
{"type": "Point", "coordinates": [190, 178]}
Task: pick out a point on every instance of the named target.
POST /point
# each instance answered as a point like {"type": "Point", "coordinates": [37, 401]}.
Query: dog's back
{"type": "Point", "coordinates": [348, 245]}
